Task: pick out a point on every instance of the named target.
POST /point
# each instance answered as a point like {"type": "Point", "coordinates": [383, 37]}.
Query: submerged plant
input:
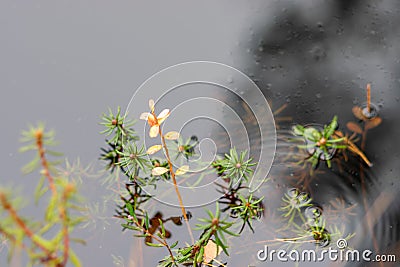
{"type": "Point", "coordinates": [306, 223]}
{"type": "Point", "coordinates": [250, 208]}
{"type": "Point", "coordinates": [320, 144]}
{"type": "Point", "coordinates": [234, 166]}
{"type": "Point", "coordinates": [183, 148]}
{"type": "Point", "coordinates": [142, 168]}
{"type": "Point", "coordinates": [45, 242]}
{"type": "Point", "coordinates": [292, 203]}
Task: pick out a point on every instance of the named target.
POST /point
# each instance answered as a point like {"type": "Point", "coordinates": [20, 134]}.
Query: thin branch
{"type": "Point", "coordinates": [45, 164]}
{"type": "Point", "coordinates": [174, 181]}
{"type": "Point", "coordinates": [7, 206]}
{"type": "Point", "coordinates": [369, 98]}
{"type": "Point", "coordinates": [50, 179]}
{"type": "Point", "coordinates": [159, 240]}
{"type": "Point", "coordinates": [64, 219]}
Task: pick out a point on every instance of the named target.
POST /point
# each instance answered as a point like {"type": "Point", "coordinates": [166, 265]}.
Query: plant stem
{"type": "Point", "coordinates": [171, 170]}
{"type": "Point", "coordinates": [159, 240]}
{"type": "Point", "coordinates": [61, 209]}
{"type": "Point", "coordinates": [13, 213]}
{"type": "Point", "coordinates": [369, 98]}
{"type": "Point", "coordinates": [45, 165]}
{"type": "Point", "coordinates": [64, 218]}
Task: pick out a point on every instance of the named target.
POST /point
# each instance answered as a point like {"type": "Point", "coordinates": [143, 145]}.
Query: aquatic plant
{"type": "Point", "coordinates": [321, 144]}
{"type": "Point", "coordinates": [304, 220]}
{"type": "Point", "coordinates": [142, 168]}
{"type": "Point", "coordinates": [234, 166]}
{"type": "Point", "coordinates": [306, 223]}
{"type": "Point", "coordinates": [45, 242]}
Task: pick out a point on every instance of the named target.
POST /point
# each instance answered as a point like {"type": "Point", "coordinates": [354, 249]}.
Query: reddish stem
{"type": "Point", "coordinates": [45, 165]}
{"type": "Point", "coordinates": [171, 170]}
{"type": "Point", "coordinates": [63, 214]}
{"type": "Point", "coordinates": [369, 98]}
{"type": "Point", "coordinates": [13, 213]}
{"type": "Point", "coordinates": [50, 179]}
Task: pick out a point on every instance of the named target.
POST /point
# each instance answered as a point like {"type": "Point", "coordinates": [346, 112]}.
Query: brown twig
{"type": "Point", "coordinates": [171, 170]}
{"type": "Point", "coordinates": [64, 218]}
{"type": "Point", "coordinates": [28, 232]}
{"type": "Point", "coordinates": [61, 209]}
{"type": "Point", "coordinates": [369, 98]}
{"type": "Point", "coordinates": [158, 239]}
{"type": "Point", "coordinates": [45, 164]}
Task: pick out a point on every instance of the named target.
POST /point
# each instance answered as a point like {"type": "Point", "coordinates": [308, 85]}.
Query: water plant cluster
{"type": "Point", "coordinates": [302, 220]}
{"type": "Point", "coordinates": [46, 242]}
{"type": "Point", "coordinates": [143, 167]}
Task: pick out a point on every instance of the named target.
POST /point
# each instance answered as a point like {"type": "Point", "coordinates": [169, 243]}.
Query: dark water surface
{"type": "Point", "coordinates": [65, 63]}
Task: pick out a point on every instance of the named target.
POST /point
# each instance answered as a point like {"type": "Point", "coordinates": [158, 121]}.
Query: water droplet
{"type": "Point", "coordinates": [313, 212]}
{"type": "Point", "coordinates": [372, 113]}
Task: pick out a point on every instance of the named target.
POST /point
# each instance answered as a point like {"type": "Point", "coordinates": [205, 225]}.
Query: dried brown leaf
{"type": "Point", "coordinates": [373, 123]}
{"type": "Point", "coordinates": [352, 126]}
{"type": "Point", "coordinates": [358, 113]}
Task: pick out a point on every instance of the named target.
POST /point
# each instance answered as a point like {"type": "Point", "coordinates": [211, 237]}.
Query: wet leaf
{"type": "Point", "coordinates": [352, 126]}
{"type": "Point", "coordinates": [144, 116]}
{"type": "Point", "coordinates": [154, 131]}
{"type": "Point", "coordinates": [174, 244]}
{"type": "Point", "coordinates": [312, 134]}
{"type": "Point", "coordinates": [211, 251]}
{"type": "Point", "coordinates": [357, 111]}
{"type": "Point", "coordinates": [74, 258]}
{"type": "Point", "coordinates": [176, 220]}
{"type": "Point", "coordinates": [159, 171]}
{"type": "Point", "coordinates": [372, 123]}
{"type": "Point", "coordinates": [163, 115]}
{"type": "Point", "coordinates": [154, 149]}
{"type": "Point", "coordinates": [171, 135]}
{"type": "Point", "coordinates": [298, 130]}
{"type": "Point", "coordinates": [182, 170]}
{"type": "Point", "coordinates": [330, 129]}
{"type": "Point", "coordinates": [151, 105]}
{"type": "Point", "coordinates": [154, 245]}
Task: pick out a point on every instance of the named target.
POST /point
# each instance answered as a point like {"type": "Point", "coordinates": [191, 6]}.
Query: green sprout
{"type": "Point", "coordinates": [184, 148]}
{"type": "Point", "coordinates": [234, 166]}
{"type": "Point", "coordinates": [217, 227]}
{"type": "Point", "coordinates": [142, 168]}
{"type": "Point", "coordinates": [250, 208]}
{"type": "Point", "coordinates": [320, 144]}
{"type": "Point", "coordinates": [133, 159]}
{"type": "Point", "coordinates": [118, 125]}
{"type": "Point", "coordinates": [293, 202]}
{"type": "Point", "coordinates": [214, 231]}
